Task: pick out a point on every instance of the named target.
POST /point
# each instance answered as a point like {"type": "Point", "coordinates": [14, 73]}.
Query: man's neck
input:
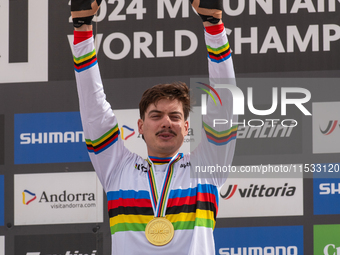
{"type": "Point", "coordinates": [160, 161]}
{"type": "Point", "coordinates": [162, 155]}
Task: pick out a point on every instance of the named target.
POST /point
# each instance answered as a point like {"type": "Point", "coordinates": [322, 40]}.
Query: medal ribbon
{"type": "Point", "coordinates": [159, 204]}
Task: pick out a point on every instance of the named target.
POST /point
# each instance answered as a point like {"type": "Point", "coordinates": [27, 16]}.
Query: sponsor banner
{"type": "Point", "coordinates": [255, 197]}
{"type": "Point", "coordinates": [326, 127]}
{"type": "Point", "coordinates": [263, 34]}
{"type": "Point", "coordinates": [2, 245]}
{"type": "Point", "coordinates": [49, 138]}
{"type": "Point", "coordinates": [326, 193]}
{"type": "Point", "coordinates": [286, 240]}
{"type": "Point", "coordinates": [2, 200]}
{"type": "Point", "coordinates": [57, 198]}
{"type": "Point", "coordinates": [65, 244]}
{"type": "Point", "coordinates": [2, 139]}
{"type": "Point", "coordinates": [327, 239]}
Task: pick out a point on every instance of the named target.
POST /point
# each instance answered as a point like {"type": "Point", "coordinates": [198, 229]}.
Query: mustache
{"type": "Point", "coordinates": [166, 131]}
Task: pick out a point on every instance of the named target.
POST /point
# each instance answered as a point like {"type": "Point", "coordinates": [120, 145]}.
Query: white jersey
{"type": "Point", "coordinates": [192, 202]}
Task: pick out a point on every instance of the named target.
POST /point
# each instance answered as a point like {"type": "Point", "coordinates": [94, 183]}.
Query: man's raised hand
{"type": "Point", "coordinates": [82, 11]}
{"type": "Point", "coordinates": [209, 10]}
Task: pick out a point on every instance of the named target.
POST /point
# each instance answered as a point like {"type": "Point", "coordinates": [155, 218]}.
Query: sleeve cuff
{"type": "Point", "coordinates": [214, 30]}
{"type": "Point", "coordinates": [80, 36]}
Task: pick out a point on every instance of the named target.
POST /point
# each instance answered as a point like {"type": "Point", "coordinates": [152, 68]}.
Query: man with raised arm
{"type": "Point", "coordinates": [161, 210]}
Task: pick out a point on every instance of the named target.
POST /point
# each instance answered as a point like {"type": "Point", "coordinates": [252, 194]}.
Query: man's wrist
{"type": "Point", "coordinates": [208, 24]}
{"type": "Point", "coordinates": [80, 36]}
{"type": "Point", "coordinates": [84, 28]}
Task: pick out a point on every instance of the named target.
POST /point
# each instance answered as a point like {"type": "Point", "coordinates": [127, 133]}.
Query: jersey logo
{"type": "Point", "coordinates": [141, 167]}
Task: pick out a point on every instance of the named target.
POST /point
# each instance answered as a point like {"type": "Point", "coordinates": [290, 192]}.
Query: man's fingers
{"type": "Point", "coordinates": [195, 4]}
{"type": "Point", "coordinates": [210, 12]}
{"type": "Point", "coordinates": [95, 5]}
{"type": "Point", "coordinates": [79, 5]}
{"type": "Point", "coordinates": [84, 8]}
{"type": "Point", "coordinates": [211, 4]}
{"type": "Point", "coordinates": [211, 8]}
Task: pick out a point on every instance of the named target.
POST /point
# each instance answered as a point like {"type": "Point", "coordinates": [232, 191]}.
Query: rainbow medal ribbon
{"type": "Point", "coordinates": [160, 231]}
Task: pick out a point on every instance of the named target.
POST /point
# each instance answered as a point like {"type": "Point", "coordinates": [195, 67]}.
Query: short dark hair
{"type": "Point", "coordinates": [171, 91]}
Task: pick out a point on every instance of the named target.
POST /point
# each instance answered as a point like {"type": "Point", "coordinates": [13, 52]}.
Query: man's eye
{"type": "Point", "coordinates": [175, 117]}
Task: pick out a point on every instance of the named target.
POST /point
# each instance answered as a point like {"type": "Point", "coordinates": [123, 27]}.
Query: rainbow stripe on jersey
{"type": "Point", "coordinates": [160, 161]}
{"type": "Point", "coordinates": [131, 210]}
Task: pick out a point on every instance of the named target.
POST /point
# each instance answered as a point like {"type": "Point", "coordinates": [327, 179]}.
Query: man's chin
{"type": "Point", "coordinates": [167, 148]}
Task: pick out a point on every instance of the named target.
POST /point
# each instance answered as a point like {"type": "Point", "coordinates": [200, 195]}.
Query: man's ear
{"type": "Point", "coordinates": [186, 126]}
{"type": "Point", "coordinates": [140, 124]}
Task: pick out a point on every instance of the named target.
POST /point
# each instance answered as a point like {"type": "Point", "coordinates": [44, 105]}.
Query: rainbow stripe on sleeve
{"type": "Point", "coordinates": [104, 142]}
{"type": "Point", "coordinates": [220, 138]}
{"type": "Point", "coordinates": [219, 54]}
{"type": "Point", "coordinates": [85, 62]}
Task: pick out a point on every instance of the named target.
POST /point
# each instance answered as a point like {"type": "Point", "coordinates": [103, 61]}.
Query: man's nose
{"type": "Point", "coordinates": [166, 122]}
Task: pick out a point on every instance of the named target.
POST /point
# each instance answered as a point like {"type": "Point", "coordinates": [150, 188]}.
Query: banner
{"type": "Point", "coordinates": [57, 198]}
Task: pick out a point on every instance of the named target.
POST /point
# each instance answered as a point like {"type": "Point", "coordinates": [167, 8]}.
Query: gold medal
{"type": "Point", "coordinates": [159, 231]}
